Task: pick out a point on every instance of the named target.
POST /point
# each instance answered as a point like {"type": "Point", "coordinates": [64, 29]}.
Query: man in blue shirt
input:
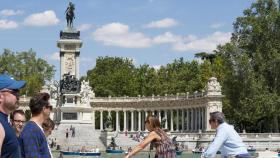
{"type": "Point", "coordinates": [226, 140]}
{"type": "Point", "coordinates": [32, 138]}
{"type": "Point", "coordinates": [9, 96]}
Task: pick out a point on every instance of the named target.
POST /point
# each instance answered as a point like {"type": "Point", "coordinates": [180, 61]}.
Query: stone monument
{"type": "Point", "coordinates": [74, 96]}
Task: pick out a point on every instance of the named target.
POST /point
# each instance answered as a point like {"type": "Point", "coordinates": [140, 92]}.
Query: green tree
{"type": "Point", "coordinates": [113, 76]}
{"type": "Point", "coordinates": [25, 66]}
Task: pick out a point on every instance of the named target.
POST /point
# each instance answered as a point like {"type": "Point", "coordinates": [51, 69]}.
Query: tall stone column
{"type": "Point", "coordinates": [199, 119]}
{"type": "Point", "coordinates": [101, 120]}
{"type": "Point", "coordinates": [183, 120]}
{"type": "Point", "coordinates": [117, 121]}
{"type": "Point", "coordinates": [139, 120]}
{"type": "Point", "coordinates": [171, 124]}
{"type": "Point", "coordinates": [146, 114]}
{"type": "Point", "coordinates": [77, 72]}
{"type": "Point", "coordinates": [207, 117]}
{"type": "Point", "coordinates": [203, 119]}
{"type": "Point", "coordinates": [93, 119]}
{"type": "Point", "coordinates": [188, 120]}
{"type": "Point", "coordinates": [177, 120]}
{"type": "Point", "coordinates": [132, 120]}
{"type": "Point", "coordinates": [124, 121]}
{"type": "Point", "coordinates": [192, 120]}
{"type": "Point", "coordinates": [195, 119]}
{"type": "Point", "coordinates": [165, 115]}
{"type": "Point", "coordinates": [159, 115]}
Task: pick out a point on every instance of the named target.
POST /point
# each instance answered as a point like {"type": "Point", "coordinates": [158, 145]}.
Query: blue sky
{"type": "Point", "coordinates": [153, 32]}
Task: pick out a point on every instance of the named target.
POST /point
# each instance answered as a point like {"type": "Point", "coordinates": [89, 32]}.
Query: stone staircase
{"type": "Point", "coordinates": [125, 141]}
{"type": "Point", "coordinates": [84, 136]}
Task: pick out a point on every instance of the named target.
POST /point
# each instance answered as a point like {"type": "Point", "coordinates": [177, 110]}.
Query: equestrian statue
{"type": "Point", "coordinates": [70, 14]}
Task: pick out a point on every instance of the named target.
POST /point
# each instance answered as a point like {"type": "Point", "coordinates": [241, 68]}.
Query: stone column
{"type": "Point", "coordinates": [146, 114]}
{"type": "Point", "coordinates": [77, 72]}
{"type": "Point", "coordinates": [117, 121]}
{"type": "Point", "coordinates": [177, 120]}
{"type": "Point", "coordinates": [188, 120]}
{"type": "Point", "coordinates": [159, 115]}
{"type": "Point", "coordinates": [171, 124]}
{"type": "Point", "coordinates": [62, 68]}
{"type": "Point", "coordinates": [192, 121]}
{"type": "Point", "coordinates": [139, 120]}
{"type": "Point", "coordinates": [183, 120]}
{"type": "Point", "coordinates": [132, 120]}
{"type": "Point", "coordinates": [165, 115]}
{"type": "Point", "coordinates": [207, 117]}
{"type": "Point", "coordinates": [202, 119]}
{"type": "Point", "coordinates": [199, 111]}
{"type": "Point", "coordinates": [93, 119]}
{"type": "Point", "coordinates": [124, 121]}
{"type": "Point", "coordinates": [195, 119]}
{"type": "Point", "coordinates": [101, 120]}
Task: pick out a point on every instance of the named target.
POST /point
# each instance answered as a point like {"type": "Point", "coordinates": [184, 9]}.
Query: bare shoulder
{"type": "Point", "coordinates": [155, 135]}
{"type": "Point", "coordinates": [2, 133]}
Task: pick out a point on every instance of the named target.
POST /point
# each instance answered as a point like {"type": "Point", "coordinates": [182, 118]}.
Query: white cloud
{"type": "Point", "coordinates": [156, 67]}
{"type": "Point", "coordinates": [208, 43]}
{"type": "Point", "coordinates": [164, 23]}
{"type": "Point", "coordinates": [8, 24]}
{"type": "Point", "coordinates": [117, 34]}
{"type": "Point", "coordinates": [45, 18]}
{"type": "Point", "coordinates": [217, 25]}
{"type": "Point", "coordinates": [10, 12]}
{"type": "Point", "coordinates": [167, 37]}
{"type": "Point", "coordinates": [84, 27]}
{"type": "Point", "coordinates": [55, 56]}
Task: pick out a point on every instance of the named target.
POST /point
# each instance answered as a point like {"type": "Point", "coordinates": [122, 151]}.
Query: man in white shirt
{"type": "Point", "coordinates": [226, 140]}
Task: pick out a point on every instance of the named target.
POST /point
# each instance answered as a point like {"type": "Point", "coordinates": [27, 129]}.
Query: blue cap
{"type": "Point", "coordinates": [7, 82]}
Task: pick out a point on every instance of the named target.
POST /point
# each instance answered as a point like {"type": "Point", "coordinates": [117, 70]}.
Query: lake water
{"type": "Point", "coordinates": [139, 155]}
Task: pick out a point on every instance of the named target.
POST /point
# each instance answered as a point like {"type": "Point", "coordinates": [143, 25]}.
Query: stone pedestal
{"type": "Point", "coordinates": [69, 45]}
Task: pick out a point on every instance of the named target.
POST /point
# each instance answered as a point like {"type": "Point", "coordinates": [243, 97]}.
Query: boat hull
{"type": "Point", "coordinates": [81, 153]}
{"type": "Point", "coordinates": [179, 152]}
{"type": "Point", "coordinates": [114, 151]}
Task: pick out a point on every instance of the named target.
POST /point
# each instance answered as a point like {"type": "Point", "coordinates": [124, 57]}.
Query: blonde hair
{"type": "Point", "coordinates": [48, 124]}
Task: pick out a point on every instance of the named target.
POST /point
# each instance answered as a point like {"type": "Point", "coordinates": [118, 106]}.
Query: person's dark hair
{"type": "Point", "coordinates": [48, 124]}
{"type": "Point", "coordinates": [21, 112]}
{"type": "Point", "coordinates": [153, 121]}
{"type": "Point", "coordinates": [37, 103]}
{"type": "Point", "coordinates": [217, 115]}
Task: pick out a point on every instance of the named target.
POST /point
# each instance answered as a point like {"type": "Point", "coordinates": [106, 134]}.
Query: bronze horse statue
{"type": "Point", "coordinates": [70, 14]}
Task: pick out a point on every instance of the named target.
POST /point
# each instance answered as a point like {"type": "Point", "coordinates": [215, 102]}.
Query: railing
{"type": "Point", "coordinates": [149, 98]}
{"type": "Point", "coordinates": [178, 96]}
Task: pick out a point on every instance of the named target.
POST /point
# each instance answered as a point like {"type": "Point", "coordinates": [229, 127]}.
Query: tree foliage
{"type": "Point", "coordinates": [25, 66]}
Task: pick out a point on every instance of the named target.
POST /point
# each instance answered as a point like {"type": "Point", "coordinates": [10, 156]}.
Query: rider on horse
{"type": "Point", "coordinates": [70, 14]}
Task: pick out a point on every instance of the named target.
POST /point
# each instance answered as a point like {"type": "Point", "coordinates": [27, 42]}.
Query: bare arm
{"type": "Point", "coordinates": [2, 136]}
{"type": "Point", "coordinates": [143, 144]}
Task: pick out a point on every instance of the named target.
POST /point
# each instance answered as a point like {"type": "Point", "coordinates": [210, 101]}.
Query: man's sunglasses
{"type": "Point", "coordinates": [13, 92]}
